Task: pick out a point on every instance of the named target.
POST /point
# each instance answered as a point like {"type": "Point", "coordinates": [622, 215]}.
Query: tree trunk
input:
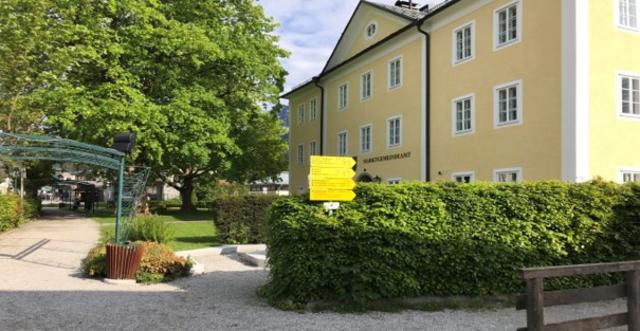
{"type": "Point", "coordinates": [186, 195]}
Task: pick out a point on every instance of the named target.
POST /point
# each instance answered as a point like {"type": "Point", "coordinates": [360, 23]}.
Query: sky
{"type": "Point", "coordinates": [309, 30]}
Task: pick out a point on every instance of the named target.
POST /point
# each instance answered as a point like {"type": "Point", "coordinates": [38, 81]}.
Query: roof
{"type": "Point", "coordinates": [412, 14]}
{"type": "Point", "coordinates": [431, 12]}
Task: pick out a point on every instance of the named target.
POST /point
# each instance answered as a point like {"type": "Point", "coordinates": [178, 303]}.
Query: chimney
{"type": "Point", "coordinates": [406, 4]}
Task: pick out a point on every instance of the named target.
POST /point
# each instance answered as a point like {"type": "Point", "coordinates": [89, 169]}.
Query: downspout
{"type": "Point", "coordinates": [427, 101]}
{"type": "Point", "coordinates": [316, 82]}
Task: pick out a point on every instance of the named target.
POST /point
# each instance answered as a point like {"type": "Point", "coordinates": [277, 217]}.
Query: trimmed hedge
{"type": "Point", "coordinates": [14, 211]}
{"type": "Point", "coordinates": [446, 239]}
{"type": "Point", "coordinates": [242, 219]}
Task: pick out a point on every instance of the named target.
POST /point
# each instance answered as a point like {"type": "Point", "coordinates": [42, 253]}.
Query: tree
{"type": "Point", "coordinates": [186, 76]}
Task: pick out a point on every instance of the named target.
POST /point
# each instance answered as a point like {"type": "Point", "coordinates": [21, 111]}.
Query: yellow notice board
{"type": "Point", "coordinates": [331, 178]}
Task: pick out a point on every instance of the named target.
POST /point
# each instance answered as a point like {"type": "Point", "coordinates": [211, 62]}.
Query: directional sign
{"type": "Point", "coordinates": [331, 178]}
{"type": "Point", "coordinates": [332, 162]}
{"type": "Point", "coordinates": [331, 195]}
{"type": "Point", "coordinates": [331, 173]}
{"type": "Point", "coordinates": [328, 184]}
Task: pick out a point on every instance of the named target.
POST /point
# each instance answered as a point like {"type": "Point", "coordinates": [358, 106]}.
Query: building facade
{"type": "Point", "coordinates": [477, 90]}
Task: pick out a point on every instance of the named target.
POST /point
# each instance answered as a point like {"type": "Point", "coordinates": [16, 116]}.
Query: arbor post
{"type": "Point", "coordinates": [119, 198]}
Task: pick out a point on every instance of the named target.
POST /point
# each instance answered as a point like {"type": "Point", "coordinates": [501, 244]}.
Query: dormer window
{"type": "Point", "coordinates": [371, 30]}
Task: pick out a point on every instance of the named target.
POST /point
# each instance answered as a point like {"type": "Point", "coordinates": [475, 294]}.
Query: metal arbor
{"type": "Point", "coordinates": [21, 147]}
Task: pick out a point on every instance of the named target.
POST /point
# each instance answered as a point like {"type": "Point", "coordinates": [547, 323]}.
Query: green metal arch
{"type": "Point", "coordinates": [19, 147]}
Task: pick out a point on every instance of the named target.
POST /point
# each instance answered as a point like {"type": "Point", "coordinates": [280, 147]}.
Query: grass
{"type": "Point", "coordinates": [192, 229]}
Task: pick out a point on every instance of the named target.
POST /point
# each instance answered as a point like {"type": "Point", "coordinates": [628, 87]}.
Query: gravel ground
{"type": "Point", "coordinates": [43, 291]}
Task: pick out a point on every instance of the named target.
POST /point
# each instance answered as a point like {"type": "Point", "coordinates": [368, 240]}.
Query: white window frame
{"type": "Point", "coordinates": [454, 112]}
{"type": "Point", "coordinates": [370, 126]}
{"type": "Point", "coordinates": [313, 109]}
{"type": "Point", "coordinates": [517, 170]}
{"type": "Point", "coordinates": [300, 115]}
{"type": "Point", "coordinates": [346, 98]}
{"type": "Point", "coordinates": [313, 151]}
{"type": "Point", "coordinates": [388, 135]}
{"type": "Point", "coordinates": [394, 181]}
{"type": "Point", "coordinates": [300, 154]}
{"type": "Point", "coordinates": [470, 174]}
{"type": "Point", "coordinates": [630, 170]}
{"type": "Point", "coordinates": [366, 30]}
{"type": "Point", "coordinates": [619, 25]}
{"type": "Point", "coordinates": [346, 143]}
{"type": "Point", "coordinates": [454, 44]}
{"type": "Point", "coordinates": [362, 88]}
{"type": "Point", "coordinates": [620, 75]}
{"type": "Point", "coordinates": [398, 85]}
{"type": "Point", "coordinates": [496, 28]}
{"type": "Point", "coordinates": [519, 99]}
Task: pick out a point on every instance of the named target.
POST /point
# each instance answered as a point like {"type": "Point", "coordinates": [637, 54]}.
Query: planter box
{"type": "Point", "coordinates": [123, 261]}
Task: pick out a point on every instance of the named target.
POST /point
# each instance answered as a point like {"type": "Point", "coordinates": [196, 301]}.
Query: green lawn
{"type": "Point", "coordinates": [192, 230]}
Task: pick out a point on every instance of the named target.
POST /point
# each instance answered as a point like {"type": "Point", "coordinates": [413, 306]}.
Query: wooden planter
{"type": "Point", "coordinates": [123, 261]}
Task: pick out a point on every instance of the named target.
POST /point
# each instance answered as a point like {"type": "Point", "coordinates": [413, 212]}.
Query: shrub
{"type": "Point", "coordinates": [15, 211]}
{"type": "Point", "coordinates": [446, 239]}
{"type": "Point", "coordinates": [151, 228]}
{"type": "Point", "coordinates": [158, 263]}
{"type": "Point", "coordinates": [242, 219]}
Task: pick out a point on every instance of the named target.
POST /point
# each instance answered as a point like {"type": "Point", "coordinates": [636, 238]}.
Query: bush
{"type": "Point", "coordinates": [14, 211]}
{"type": "Point", "coordinates": [446, 239]}
{"type": "Point", "coordinates": [158, 263]}
{"type": "Point", "coordinates": [242, 219]}
{"type": "Point", "coordinates": [151, 228]}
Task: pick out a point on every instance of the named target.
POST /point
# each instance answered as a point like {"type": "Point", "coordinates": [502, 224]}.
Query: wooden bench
{"type": "Point", "coordinates": [536, 298]}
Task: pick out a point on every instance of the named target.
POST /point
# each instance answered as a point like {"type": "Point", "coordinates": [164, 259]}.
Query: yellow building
{"type": "Point", "coordinates": [477, 90]}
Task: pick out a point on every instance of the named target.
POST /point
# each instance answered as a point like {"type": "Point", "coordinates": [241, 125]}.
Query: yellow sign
{"type": "Point", "coordinates": [332, 162]}
{"type": "Point", "coordinates": [331, 195]}
{"type": "Point", "coordinates": [335, 173]}
{"type": "Point", "coordinates": [331, 178]}
{"type": "Point", "coordinates": [328, 184]}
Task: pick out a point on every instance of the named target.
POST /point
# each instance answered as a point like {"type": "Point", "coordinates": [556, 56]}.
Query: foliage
{"type": "Point", "coordinates": [150, 228]}
{"type": "Point", "coordinates": [14, 211]}
{"type": "Point", "coordinates": [207, 193]}
{"type": "Point", "coordinates": [242, 219]}
{"type": "Point", "coordinates": [158, 263]}
{"type": "Point", "coordinates": [186, 76]}
{"type": "Point", "coordinates": [447, 239]}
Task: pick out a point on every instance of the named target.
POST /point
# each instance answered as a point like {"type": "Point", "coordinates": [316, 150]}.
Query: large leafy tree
{"type": "Point", "coordinates": [186, 76]}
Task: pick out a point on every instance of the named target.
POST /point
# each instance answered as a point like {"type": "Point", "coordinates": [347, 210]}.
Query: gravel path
{"type": "Point", "coordinates": [43, 291]}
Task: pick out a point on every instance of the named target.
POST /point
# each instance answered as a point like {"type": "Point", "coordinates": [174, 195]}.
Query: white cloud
{"type": "Point", "coordinates": [310, 29]}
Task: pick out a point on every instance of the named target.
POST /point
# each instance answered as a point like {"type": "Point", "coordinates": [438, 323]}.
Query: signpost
{"type": "Point", "coordinates": [331, 179]}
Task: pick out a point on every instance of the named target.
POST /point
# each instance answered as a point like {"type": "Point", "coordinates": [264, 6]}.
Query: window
{"type": "Point", "coordinates": [343, 92]}
{"type": "Point", "coordinates": [313, 109]}
{"type": "Point", "coordinates": [630, 176]}
{"type": "Point", "coordinates": [628, 14]}
{"type": "Point", "coordinates": [300, 114]}
{"type": "Point", "coordinates": [395, 73]}
{"type": "Point", "coordinates": [508, 24]}
{"type": "Point", "coordinates": [629, 96]}
{"type": "Point", "coordinates": [512, 175]}
{"type": "Point", "coordinates": [508, 104]}
{"type": "Point", "coordinates": [300, 154]}
{"type": "Point", "coordinates": [462, 115]}
{"type": "Point", "coordinates": [463, 43]}
{"type": "Point", "coordinates": [371, 30]}
{"type": "Point", "coordinates": [366, 85]}
{"type": "Point", "coordinates": [365, 138]}
{"type": "Point", "coordinates": [342, 143]}
{"type": "Point", "coordinates": [394, 181]}
{"type": "Point", "coordinates": [463, 177]}
{"type": "Point", "coordinates": [394, 131]}
{"type": "Point", "coordinates": [312, 148]}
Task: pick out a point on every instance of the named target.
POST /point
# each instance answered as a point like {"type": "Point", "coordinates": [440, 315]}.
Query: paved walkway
{"type": "Point", "coordinates": [40, 289]}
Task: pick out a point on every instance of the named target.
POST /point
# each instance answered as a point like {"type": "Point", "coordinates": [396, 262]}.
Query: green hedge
{"type": "Point", "coordinates": [446, 239]}
{"type": "Point", "coordinates": [242, 219]}
{"type": "Point", "coordinates": [14, 211]}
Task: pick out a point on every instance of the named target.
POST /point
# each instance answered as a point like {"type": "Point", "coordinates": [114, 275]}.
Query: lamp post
{"type": "Point", "coordinates": [124, 143]}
